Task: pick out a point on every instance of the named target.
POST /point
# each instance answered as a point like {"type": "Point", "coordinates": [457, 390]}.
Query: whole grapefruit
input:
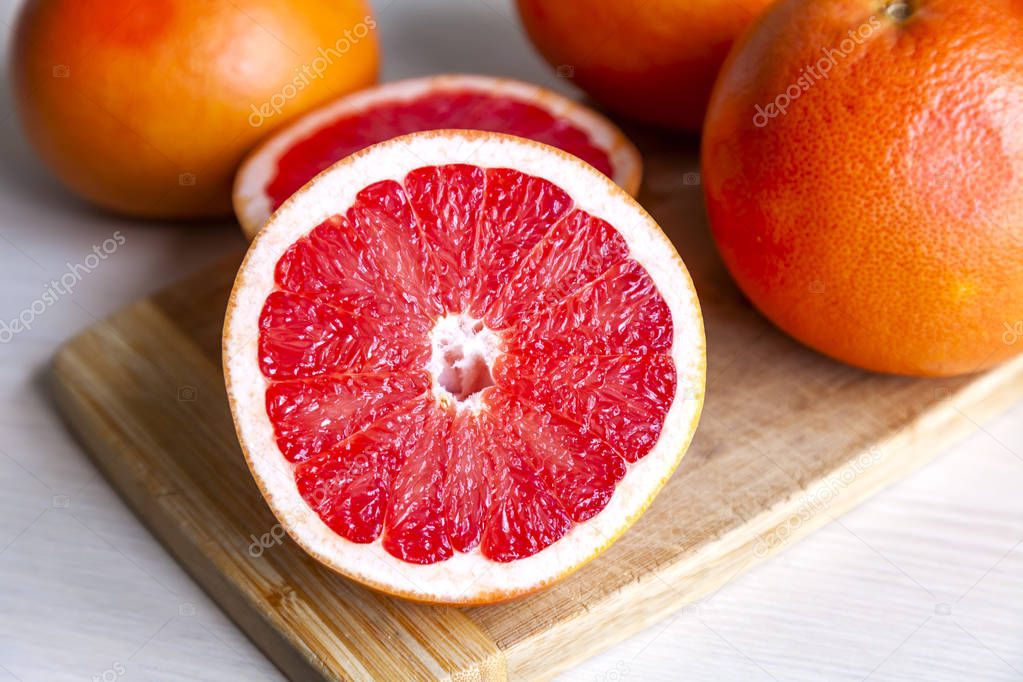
{"type": "Point", "coordinates": [147, 108]}
{"type": "Point", "coordinates": [654, 60]}
{"type": "Point", "coordinates": [863, 168]}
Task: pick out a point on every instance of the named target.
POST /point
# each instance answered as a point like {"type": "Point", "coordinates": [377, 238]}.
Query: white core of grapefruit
{"type": "Point", "coordinates": [252, 205]}
{"type": "Point", "coordinates": [476, 348]}
{"type": "Point", "coordinates": [465, 577]}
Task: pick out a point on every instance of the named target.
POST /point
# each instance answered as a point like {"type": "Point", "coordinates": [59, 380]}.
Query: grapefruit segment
{"type": "Point", "coordinates": [525, 516]}
{"type": "Point", "coordinates": [338, 266]}
{"type": "Point", "coordinates": [459, 382]}
{"type": "Point", "coordinates": [393, 247]}
{"type": "Point", "coordinates": [302, 337]}
{"type": "Point", "coordinates": [448, 203]}
{"type": "Point", "coordinates": [573, 253]}
{"type": "Point", "coordinates": [576, 465]}
{"type": "Point", "coordinates": [312, 416]}
{"type": "Point", "coordinates": [518, 210]}
{"type": "Point", "coordinates": [619, 399]}
{"type": "Point", "coordinates": [469, 474]}
{"type": "Point", "coordinates": [349, 488]}
{"type": "Point", "coordinates": [619, 312]}
{"type": "Point", "coordinates": [415, 527]}
{"type": "Point", "coordinates": [298, 152]}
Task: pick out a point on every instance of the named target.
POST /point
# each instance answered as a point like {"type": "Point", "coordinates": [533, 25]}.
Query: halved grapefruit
{"type": "Point", "coordinates": [292, 156]}
{"type": "Point", "coordinates": [461, 364]}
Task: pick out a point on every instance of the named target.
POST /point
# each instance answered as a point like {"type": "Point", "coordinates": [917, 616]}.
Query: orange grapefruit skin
{"type": "Point", "coordinates": [653, 61]}
{"type": "Point", "coordinates": [146, 108]}
{"type": "Point", "coordinates": [879, 217]}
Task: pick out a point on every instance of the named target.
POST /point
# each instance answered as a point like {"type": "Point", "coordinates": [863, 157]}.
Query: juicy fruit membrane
{"type": "Point", "coordinates": [874, 212]}
{"type": "Point", "coordinates": [462, 370]}
{"type": "Point", "coordinates": [295, 155]}
{"type": "Point", "coordinates": [148, 108]}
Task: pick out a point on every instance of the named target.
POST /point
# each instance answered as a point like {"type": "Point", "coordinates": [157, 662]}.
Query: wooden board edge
{"type": "Point", "coordinates": [82, 419]}
{"type": "Point", "coordinates": [658, 595]}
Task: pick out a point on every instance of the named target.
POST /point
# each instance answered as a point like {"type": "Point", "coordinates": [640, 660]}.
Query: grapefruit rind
{"type": "Point", "coordinates": [253, 207]}
{"type": "Point", "coordinates": [465, 578]}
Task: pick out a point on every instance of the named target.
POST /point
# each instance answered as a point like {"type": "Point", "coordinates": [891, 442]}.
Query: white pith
{"type": "Point", "coordinates": [253, 206]}
{"type": "Point", "coordinates": [470, 577]}
{"type": "Point", "coordinates": [475, 349]}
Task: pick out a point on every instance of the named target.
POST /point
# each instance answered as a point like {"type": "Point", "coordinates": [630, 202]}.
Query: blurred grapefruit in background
{"type": "Point", "coordinates": [654, 61]}
{"type": "Point", "coordinates": [863, 168]}
{"type": "Point", "coordinates": [146, 108]}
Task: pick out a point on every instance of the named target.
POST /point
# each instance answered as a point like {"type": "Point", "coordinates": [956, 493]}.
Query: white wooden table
{"type": "Point", "coordinates": [923, 582]}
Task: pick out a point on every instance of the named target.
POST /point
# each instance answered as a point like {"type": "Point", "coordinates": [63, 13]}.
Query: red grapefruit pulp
{"type": "Point", "coordinates": [294, 155]}
{"type": "Point", "coordinates": [458, 381]}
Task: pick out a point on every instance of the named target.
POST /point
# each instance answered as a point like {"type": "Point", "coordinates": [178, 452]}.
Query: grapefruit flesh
{"type": "Point", "coordinates": [457, 109]}
{"type": "Point", "coordinates": [297, 154]}
{"type": "Point", "coordinates": [457, 381]}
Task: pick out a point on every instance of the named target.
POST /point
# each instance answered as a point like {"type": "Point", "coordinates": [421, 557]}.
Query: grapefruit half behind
{"type": "Point", "coordinates": [294, 155]}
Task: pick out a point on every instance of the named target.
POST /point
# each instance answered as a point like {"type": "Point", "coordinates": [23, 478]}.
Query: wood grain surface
{"type": "Point", "coordinates": [788, 440]}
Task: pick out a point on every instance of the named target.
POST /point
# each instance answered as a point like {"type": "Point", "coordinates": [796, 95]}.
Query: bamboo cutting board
{"type": "Point", "coordinates": [788, 440]}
